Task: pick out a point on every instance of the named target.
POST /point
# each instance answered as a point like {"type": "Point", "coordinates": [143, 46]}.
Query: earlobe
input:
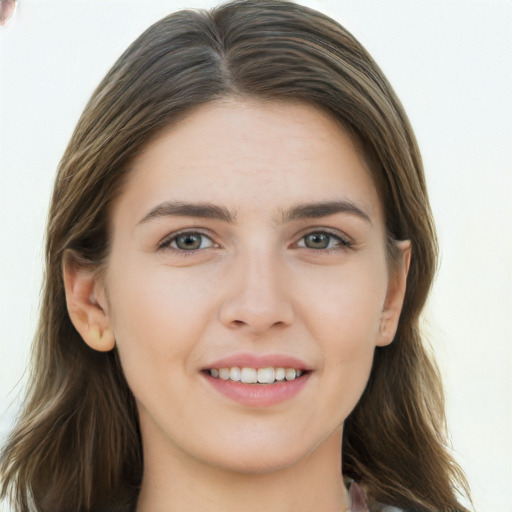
{"type": "Point", "coordinates": [100, 340]}
{"type": "Point", "coordinates": [397, 286]}
{"type": "Point", "coordinates": [86, 304]}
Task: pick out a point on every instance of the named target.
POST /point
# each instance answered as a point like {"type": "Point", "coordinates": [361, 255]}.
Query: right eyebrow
{"type": "Point", "coordinates": [182, 209]}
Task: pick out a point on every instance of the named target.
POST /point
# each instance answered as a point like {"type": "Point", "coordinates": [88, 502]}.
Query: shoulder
{"type": "Point", "coordinates": [385, 508]}
{"type": "Point", "coordinates": [357, 501]}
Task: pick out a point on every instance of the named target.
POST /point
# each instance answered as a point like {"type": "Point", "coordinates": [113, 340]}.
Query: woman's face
{"type": "Point", "coordinates": [249, 236]}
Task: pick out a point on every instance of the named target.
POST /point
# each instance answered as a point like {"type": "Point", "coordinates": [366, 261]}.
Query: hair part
{"type": "Point", "coordinates": [80, 420]}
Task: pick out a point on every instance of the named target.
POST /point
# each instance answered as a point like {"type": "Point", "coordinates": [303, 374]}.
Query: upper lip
{"type": "Point", "coordinates": [247, 360]}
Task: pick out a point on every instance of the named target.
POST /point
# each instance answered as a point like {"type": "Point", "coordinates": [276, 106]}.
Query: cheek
{"type": "Point", "coordinates": [343, 315]}
{"type": "Point", "coordinates": [157, 315]}
{"type": "Point", "coordinates": [344, 306]}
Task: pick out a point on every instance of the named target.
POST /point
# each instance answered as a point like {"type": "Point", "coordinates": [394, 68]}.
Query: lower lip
{"type": "Point", "coordinates": [258, 395]}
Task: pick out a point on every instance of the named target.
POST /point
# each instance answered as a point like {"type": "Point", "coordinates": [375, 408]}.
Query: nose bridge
{"type": "Point", "coordinates": [257, 295]}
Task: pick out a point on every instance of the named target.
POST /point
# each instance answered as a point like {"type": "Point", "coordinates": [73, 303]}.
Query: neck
{"type": "Point", "coordinates": [179, 484]}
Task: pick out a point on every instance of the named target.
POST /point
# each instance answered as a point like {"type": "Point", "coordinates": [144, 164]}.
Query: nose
{"type": "Point", "coordinates": [257, 296]}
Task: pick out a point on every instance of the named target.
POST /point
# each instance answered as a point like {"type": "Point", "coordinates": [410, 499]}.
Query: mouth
{"type": "Point", "coordinates": [252, 381]}
{"type": "Point", "coordinates": [248, 375]}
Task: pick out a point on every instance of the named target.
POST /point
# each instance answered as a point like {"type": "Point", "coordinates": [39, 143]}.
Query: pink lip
{"type": "Point", "coordinates": [246, 360]}
{"type": "Point", "coordinates": [258, 395]}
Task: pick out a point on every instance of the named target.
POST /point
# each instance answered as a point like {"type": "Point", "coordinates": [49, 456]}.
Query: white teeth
{"type": "Point", "coordinates": [249, 375]}
{"type": "Point", "coordinates": [290, 374]}
{"type": "Point", "coordinates": [280, 373]}
{"type": "Point", "coordinates": [235, 373]}
{"type": "Point", "coordinates": [267, 375]}
{"type": "Point", "coordinates": [224, 373]}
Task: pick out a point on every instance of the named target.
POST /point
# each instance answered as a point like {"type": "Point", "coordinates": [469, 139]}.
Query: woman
{"type": "Point", "coordinates": [239, 248]}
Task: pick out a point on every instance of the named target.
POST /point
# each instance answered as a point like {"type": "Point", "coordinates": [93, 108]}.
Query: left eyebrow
{"type": "Point", "coordinates": [181, 209]}
{"type": "Point", "coordinates": [323, 209]}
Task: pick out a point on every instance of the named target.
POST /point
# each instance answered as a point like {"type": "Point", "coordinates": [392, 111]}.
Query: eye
{"type": "Point", "coordinates": [187, 241]}
{"type": "Point", "coordinates": [323, 240]}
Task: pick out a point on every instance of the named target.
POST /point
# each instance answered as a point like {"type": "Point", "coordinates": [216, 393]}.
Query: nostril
{"type": "Point", "coordinates": [251, 310]}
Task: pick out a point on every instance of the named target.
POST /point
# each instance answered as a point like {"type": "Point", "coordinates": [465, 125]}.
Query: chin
{"type": "Point", "coordinates": [260, 454]}
{"type": "Point", "coordinates": [258, 462]}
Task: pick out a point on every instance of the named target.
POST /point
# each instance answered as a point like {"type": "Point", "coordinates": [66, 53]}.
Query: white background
{"type": "Point", "coordinates": [450, 62]}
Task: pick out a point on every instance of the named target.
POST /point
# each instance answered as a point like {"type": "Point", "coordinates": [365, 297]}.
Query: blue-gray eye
{"type": "Point", "coordinates": [321, 240]}
{"type": "Point", "coordinates": [190, 241]}
{"type": "Point", "coordinates": [317, 240]}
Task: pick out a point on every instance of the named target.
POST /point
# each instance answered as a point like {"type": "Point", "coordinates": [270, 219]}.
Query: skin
{"type": "Point", "coordinates": [254, 285]}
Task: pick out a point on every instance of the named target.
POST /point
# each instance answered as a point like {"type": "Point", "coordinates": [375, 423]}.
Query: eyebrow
{"type": "Point", "coordinates": [323, 209]}
{"type": "Point", "coordinates": [208, 210]}
{"type": "Point", "coordinates": [181, 209]}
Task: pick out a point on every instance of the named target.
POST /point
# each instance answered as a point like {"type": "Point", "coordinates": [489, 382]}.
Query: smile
{"type": "Point", "coordinates": [268, 375]}
{"type": "Point", "coordinates": [262, 387]}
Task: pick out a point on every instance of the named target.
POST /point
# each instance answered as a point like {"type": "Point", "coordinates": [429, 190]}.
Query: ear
{"type": "Point", "coordinates": [87, 304]}
{"type": "Point", "coordinates": [395, 294]}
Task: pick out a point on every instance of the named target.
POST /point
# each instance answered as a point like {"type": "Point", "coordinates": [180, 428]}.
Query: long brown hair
{"type": "Point", "coordinates": [76, 445]}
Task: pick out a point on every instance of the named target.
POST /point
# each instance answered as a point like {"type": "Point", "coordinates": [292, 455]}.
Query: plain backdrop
{"type": "Point", "coordinates": [450, 62]}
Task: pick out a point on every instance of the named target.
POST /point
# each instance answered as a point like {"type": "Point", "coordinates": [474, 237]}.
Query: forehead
{"type": "Point", "coordinates": [251, 156]}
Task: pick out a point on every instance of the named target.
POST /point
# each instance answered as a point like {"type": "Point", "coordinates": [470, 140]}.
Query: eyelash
{"type": "Point", "coordinates": [165, 245]}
